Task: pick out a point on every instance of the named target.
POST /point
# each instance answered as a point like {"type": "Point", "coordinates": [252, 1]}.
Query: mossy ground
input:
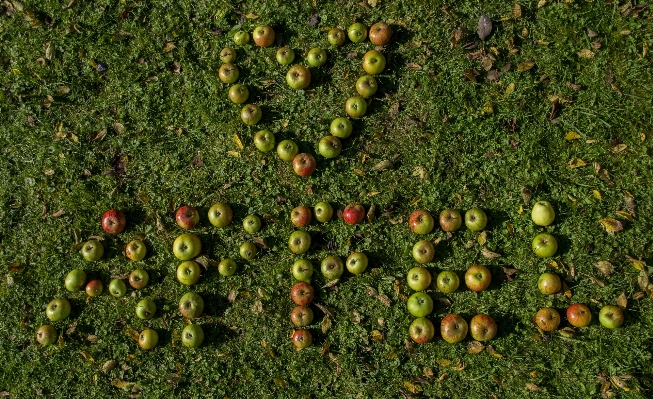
{"type": "Point", "coordinates": [178, 147]}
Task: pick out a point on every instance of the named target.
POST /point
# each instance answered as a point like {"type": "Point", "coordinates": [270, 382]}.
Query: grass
{"type": "Point", "coordinates": [447, 151]}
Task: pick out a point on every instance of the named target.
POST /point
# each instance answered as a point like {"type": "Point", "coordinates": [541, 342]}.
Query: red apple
{"type": "Point", "coordinates": [478, 278]}
{"type": "Point", "coordinates": [579, 315]}
{"type": "Point", "coordinates": [353, 213]}
{"type": "Point", "coordinates": [450, 220]}
{"type": "Point", "coordinates": [421, 330]}
{"type": "Point", "coordinates": [547, 319]}
{"type": "Point", "coordinates": [483, 327]}
{"type": "Point", "coordinates": [113, 221]}
{"type": "Point", "coordinates": [301, 316]}
{"type": "Point", "coordinates": [94, 288]}
{"type": "Point", "coordinates": [421, 222]}
{"type": "Point", "coordinates": [304, 164]}
{"type": "Point", "coordinates": [263, 35]}
{"type": "Point", "coordinates": [302, 339]}
{"type": "Point", "coordinates": [301, 216]}
{"type": "Point", "coordinates": [453, 328]}
{"type": "Point", "coordinates": [302, 293]}
{"type": "Point", "coordinates": [187, 217]}
{"type": "Point", "coordinates": [380, 33]}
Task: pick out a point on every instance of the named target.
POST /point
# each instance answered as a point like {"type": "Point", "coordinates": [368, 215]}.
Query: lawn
{"type": "Point", "coordinates": [117, 104]}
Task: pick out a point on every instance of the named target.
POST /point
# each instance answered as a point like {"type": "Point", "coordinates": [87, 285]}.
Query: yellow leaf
{"type": "Point", "coordinates": [443, 362]}
{"type": "Point", "coordinates": [475, 347]}
{"type": "Point", "coordinates": [611, 225]}
{"type": "Point", "coordinates": [572, 136]}
{"type": "Point", "coordinates": [168, 47]}
{"type": "Point", "coordinates": [643, 137]}
{"type": "Point", "coordinates": [510, 89]}
{"type": "Point", "coordinates": [326, 324]}
{"type": "Point", "coordinates": [525, 66]}
{"type": "Point", "coordinates": [625, 215]}
{"type": "Point", "coordinates": [585, 53]}
{"type": "Point", "coordinates": [575, 163]}
{"type": "Point", "coordinates": [460, 366]}
{"type": "Point", "coordinates": [516, 11]}
{"type": "Point", "coordinates": [233, 153]}
{"type": "Point", "coordinates": [87, 356]}
{"type": "Point", "coordinates": [239, 143]}
{"type": "Point", "coordinates": [377, 336]}
{"type": "Point", "coordinates": [415, 200]}
{"type": "Point", "coordinates": [251, 16]}
{"type": "Point", "coordinates": [553, 264]}
{"type": "Point", "coordinates": [120, 384]}
{"type": "Point", "coordinates": [482, 238]}
{"type": "Point", "coordinates": [619, 147]}
{"type": "Point", "coordinates": [487, 109]}
{"type": "Point", "coordinates": [520, 210]}
{"type": "Point", "coordinates": [637, 264]}
{"type": "Point", "coordinates": [492, 352]}
{"type": "Point", "coordinates": [566, 290]}
{"type": "Point", "coordinates": [541, 3]}
{"type": "Point", "coordinates": [597, 194]}
{"type": "Point", "coordinates": [533, 374]}
{"type": "Point", "coordinates": [413, 388]}
{"type": "Point", "coordinates": [373, 193]}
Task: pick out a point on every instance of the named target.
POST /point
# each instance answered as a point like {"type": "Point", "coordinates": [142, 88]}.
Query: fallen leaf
{"type": "Point", "coordinates": [354, 316]}
{"type": "Point", "coordinates": [475, 347]}
{"type": "Point", "coordinates": [331, 283]}
{"type": "Point", "coordinates": [637, 264]}
{"type": "Point", "coordinates": [385, 300]}
{"type": "Point", "coordinates": [413, 388]}
{"type": "Point", "coordinates": [642, 280]}
{"type": "Point", "coordinates": [489, 254]}
{"type": "Point", "coordinates": [619, 148]}
{"type": "Point", "coordinates": [326, 324]}
{"type": "Point", "coordinates": [625, 215]}
{"type": "Point", "coordinates": [572, 136]}
{"type": "Point", "coordinates": [630, 203]}
{"type": "Point", "coordinates": [413, 66]}
{"type": "Point", "coordinates": [377, 336]}
{"type": "Point", "coordinates": [409, 346]}
{"type": "Point", "coordinates": [568, 332]}
{"type": "Point", "coordinates": [531, 387]}
{"type": "Point", "coordinates": [611, 225]}
{"type": "Point", "coordinates": [574, 86]}
{"type": "Point", "coordinates": [541, 3]}
{"type": "Point", "coordinates": [443, 362]}
{"type": "Point", "coordinates": [597, 195]}
{"type": "Point", "coordinates": [109, 365]}
{"type": "Point", "coordinates": [516, 11]}
{"type": "Point", "coordinates": [622, 301]}
{"type": "Point", "coordinates": [510, 89]}
{"type": "Point", "coordinates": [484, 28]}
{"type": "Point", "coordinates": [575, 163]}
{"type": "Point", "coordinates": [482, 238]}
{"type": "Point", "coordinates": [596, 281]}
{"type": "Point", "coordinates": [493, 352]}
{"type": "Point", "coordinates": [525, 66]}
{"type": "Point", "coordinates": [168, 47]}
{"type": "Point", "coordinates": [120, 384]}
{"type": "Point", "coordinates": [586, 53]}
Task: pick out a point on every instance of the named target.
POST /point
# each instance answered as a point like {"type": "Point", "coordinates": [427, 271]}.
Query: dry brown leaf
{"type": "Point", "coordinates": [376, 335]}
{"type": "Point", "coordinates": [604, 267]}
{"type": "Point", "coordinates": [428, 373]}
{"type": "Point", "coordinates": [622, 301]}
{"type": "Point", "coordinates": [531, 387]}
{"type": "Point", "coordinates": [325, 310]}
{"type": "Point", "coordinates": [484, 28]}
{"type": "Point", "coordinates": [168, 47]}
{"type": "Point", "coordinates": [642, 280]}
{"type": "Point", "coordinates": [475, 347]}
{"type": "Point", "coordinates": [326, 324]}
{"type": "Point", "coordinates": [489, 254]}
{"type": "Point", "coordinates": [109, 365]}
{"type": "Point", "coordinates": [568, 332]}
{"type": "Point", "coordinates": [354, 316]}
{"type": "Point", "coordinates": [630, 203]}
{"type": "Point", "coordinates": [119, 127]}
{"type": "Point", "coordinates": [120, 384]}
{"type": "Point", "coordinates": [516, 11]}
{"type": "Point", "coordinates": [611, 225]}
{"type": "Point", "coordinates": [596, 281]}
{"type": "Point", "coordinates": [413, 388]}
{"type": "Point", "coordinates": [586, 53]}
{"type": "Point", "coordinates": [409, 346]}
{"type": "Point", "coordinates": [331, 283]}
{"type": "Point", "coordinates": [385, 300]}
{"type": "Point", "coordinates": [87, 356]}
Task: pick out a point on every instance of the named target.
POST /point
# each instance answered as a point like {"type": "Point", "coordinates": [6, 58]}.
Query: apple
{"type": "Point", "coordinates": [228, 73]}
{"type": "Point", "coordinates": [421, 330]}
{"type": "Point", "coordinates": [220, 214]}
{"type": "Point", "coordinates": [475, 219]}
{"type": "Point", "coordinates": [356, 107]}
{"type": "Point", "coordinates": [46, 335]}
{"type": "Point", "coordinates": [329, 147]}
{"type": "Point", "coordinates": [483, 327]}
{"type": "Point", "coordinates": [188, 273]}
{"type": "Point", "coordinates": [145, 309]}
{"type": "Point", "coordinates": [353, 214]}
{"type": "Point", "coordinates": [75, 280]}
{"type": "Point", "coordinates": [356, 262]}
{"type": "Point", "coordinates": [191, 305]}
{"type": "Point", "coordinates": [549, 283]}
{"type": "Point", "coordinates": [92, 250]}
{"type": "Point", "coordinates": [301, 316]}
{"type": "Point", "coordinates": [251, 114]}
{"type": "Point", "coordinates": [304, 164]}
{"type": "Point", "coordinates": [285, 56]}
{"type": "Point", "coordinates": [316, 57]}
{"type": "Point", "coordinates": [186, 246]}
{"type": "Point", "coordinates": [241, 37]}
{"type": "Point", "coordinates": [420, 304]}
{"type": "Point", "coordinates": [366, 86]}
{"type": "Point", "coordinates": [302, 270]}
{"type": "Point", "coordinates": [418, 278]}
{"type": "Point", "coordinates": [373, 62]}
{"type": "Point", "coordinates": [341, 127]}
{"type": "Point", "coordinates": [227, 55]}
{"type": "Point", "coordinates": [298, 77]}
{"type": "Point", "coordinates": [423, 251]}
{"type": "Point", "coordinates": [248, 250]}
{"type": "Point", "coordinates": [94, 288]}
{"type": "Point", "coordinates": [545, 245]}
{"type": "Point", "coordinates": [136, 250]}
{"type": "Point", "coordinates": [421, 222]}
{"type": "Point", "coordinates": [611, 316]}
{"type": "Point", "coordinates": [357, 32]}
{"type": "Point", "coordinates": [336, 37]}
{"type": "Point", "coordinates": [287, 150]}
{"type": "Point", "coordinates": [187, 217]}
{"type": "Point", "coordinates": [478, 278]}
{"type": "Point", "coordinates": [299, 242]}
{"type": "Point", "coordinates": [543, 213]}
{"type": "Point", "coordinates": [58, 309]}
{"type": "Point", "coordinates": [380, 33]}
{"type": "Point", "coordinates": [148, 339]}
{"type": "Point", "coordinates": [264, 140]}
{"type": "Point", "coordinates": [453, 328]}
{"type": "Point", "coordinates": [447, 281]}
{"type": "Point", "coordinates": [547, 319]}
{"type": "Point", "coordinates": [252, 224]}
{"type": "Point", "coordinates": [238, 93]}
{"type": "Point", "coordinates": [301, 216]}
{"type": "Point", "coordinates": [192, 336]}
{"type": "Point", "coordinates": [113, 221]}
{"type": "Point", "coordinates": [323, 212]}
{"type": "Point", "coordinates": [263, 35]}
{"type": "Point", "coordinates": [117, 288]}
{"type": "Point", "coordinates": [579, 315]}
{"type": "Point", "coordinates": [227, 267]}
{"type": "Point", "coordinates": [450, 220]}
{"type": "Point", "coordinates": [302, 293]}
{"type": "Point", "coordinates": [138, 279]}
{"type": "Point", "coordinates": [332, 267]}
{"type": "Point", "coordinates": [302, 339]}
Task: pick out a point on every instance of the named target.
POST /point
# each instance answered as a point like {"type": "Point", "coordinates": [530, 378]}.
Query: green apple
{"type": "Point", "coordinates": [252, 224]}
{"type": "Point", "coordinates": [373, 62]}
{"type": "Point", "coordinates": [302, 270]}
{"type": "Point", "coordinates": [611, 317]}
{"type": "Point", "coordinates": [357, 32]}
{"type": "Point", "coordinates": [419, 278]}
{"type": "Point", "coordinates": [75, 280]}
{"type": "Point", "coordinates": [220, 214]}
{"type": "Point", "coordinates": [248, 250]}
{"type": "Point", "coordinates": [138, 279]}
{"type": "Point", "coordinates": [117, 288]}
{"type": "Point", "coordinates": [549, 283]}
{"type": "Point", "coordinates": [287, 150]}
{"type": "Point", "coordinates": [251, 114]}
{"type": "Point", "coordinates": [298, 77]}
{"type": "Point", "coordinates": [92, 250]}
{"type": "Point", "coordinates": [136, 250]}
{"type": "Point", "coordinates": [46, 335]}
{"type": "Point", "coordinates": [186, 246]}
{"type": "Point", "coordinates": [228, 73]}
{"type": "Point", "coordinates": [227, 55]}
{"type": "Point", "coordinates": [545, 245]}
{"type": "Point", "coordinates": [329, 147]}
{"type": "Point", "coordinates": [421, 222]}
{"type": "Point", "coordinates": [447, 281]}
{"type": "Point", "coordinates": [192, 336]}
{"type": "Point", "coordinates": [420, 304]}
{"type": "Point", "coordinates": [475, 219]}
{"type": "Point", "coordinates": [543, 213]}
{"type": "Point", "coordinates": [332, 267]}
{"type": "Point", "coordinates": [423, 251]}
{"type": "Point", "coordinates": [264, 140]}
{"type": "Point", "coordinates": [285, 56]}
{"type": "Point", "coordinates": [191, 305]}
{"type": "Point", "coordinates": [356, 262]}
{"type": "Point", "coordinates": [323, 212]}
{"type": "Point", "coordinates": [145, 309]}
{"type": "Point", "coordinates": [188, 273]}
{"type": "Point", "coordinates": [316, 57]}
{"type": "Point", "coordinates": [227, 267]}
{"type": "Point", "coordinates": [148, 339]}
{"type": "Point", "coordinates": [299, 242]}
{"type": "Point", "coordinates": [241, 37]}
{"type": "Point", "coordinates": [450, 220]}
{"type": "Point", "coordinates": [356, 107]}
{"type": "Point", "coordinates": [341, 127]}
{"type": "Point", "coordinates": [421, 330]}
{"type": "Point", "coordinates": [238, 93]}
{"type": "Point", "coordinates": [366, 86]}
{"type": "Point", "coordinates": [58, 309]}
{"type": "Point", "coordinates": [94, 288]}
{"type": "Point", "coordinates": [336, 37]}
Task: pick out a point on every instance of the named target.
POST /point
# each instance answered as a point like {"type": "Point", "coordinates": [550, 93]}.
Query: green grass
{"type": "Point", "coordinates": [169, 119]}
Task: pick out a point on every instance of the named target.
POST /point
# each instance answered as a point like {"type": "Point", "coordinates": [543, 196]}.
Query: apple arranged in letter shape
{"type": "Point", "coordinates": [113, 221]}
{"type": "Point", "coordinates": [304, 164]}
{"type": "Point", "coordinates": [298, 77]}
{"type": "Point", "coordinates": [421, 330]}
{"type": "Point", "coordinates": [453, 328]}
{"type": "Point", "coordinates": [421, 222]}
{"type": "Point", "coordinates": [187, 217]}
{"type": "Point", "coordinates": [302, 293]}
{"type": "Point", "coordinates": [353, 214]}
{"type": "Point", "coordinates": [263, 35]}
{"type": "Point", "coordinates": [380, 33]}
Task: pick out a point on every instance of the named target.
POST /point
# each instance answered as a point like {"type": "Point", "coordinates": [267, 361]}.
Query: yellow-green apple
{"type": "Point", "coordinates": [453, 328]}
{"type": "Point", "coordinates": [302, 339]}
{"type": "Point", "coordinates": [238, 93]}
{"type": "Point", "coordinates": [478, 278]}
{"type": "Point", "coordinates": [341, 127]}
{"type": "Point", "coordinates": [543, 213]}
{"type": "Point", "coordinates": [332, 267]}
{"type": "Point", "coordinates": [423, 251]}
{"type": "Point", "coordinates": [301, 216]}
{"type": "Point", "coordinates": [136, 250]}
{"type": "Point", "coordinates": [421, 222]}
{"type": "Point", "coordinates": [113, 221]}
{"type": "Point", "coordinates": [299, 242]}
{"type": "Point", "coordinates": [301, 316]}
{"type": "Point", "coordinates": [356, 262]}
{"type": "Point", "coordinates": [447, 281]}
{"type": "Point", "coordinates": [285, 56]}
{"type": "Point", "coordinates": [450, 220]}
{"type": "Point", "coordinates": [220, 214]}
{"type": "Point", "coordinates": [420, 304]}
{"type": "Point", "coordinates": [188, 273]}
{"type": "Point", "coordinates": [227, 55]}
{"type": "Point", "coordinates": [251, 114]}
{"type": "Point", "coordinates": [302, 293]}
{"type": "Point", "coordinates": [145, 309]}
{"type": "Point", "coordinates": [483, 327]}
{"type": "Point", "coordinates": [579, 315]}
{"type": "Point", "coordinates": [264, 140]}
{"type": "Point", "coordinates": [298, 77]}
{"type": "Point", "coordinates": [92, 250]}
{"type": "Point", "coordinates": [148, 339]}
{"type": "Point", "coordinates": [611, 316]}
{"type": "Point", "coordinates": [475, 219]}
{"type": "Point", "coordinates": [248, 250]}
{"type": "Point", "coordinates": [316, 57]}
{"type": "Point", "coordinates": [75, 280]}
{"type": "Point", "coordinates": [545, 245]}
{"type": "Point", "coordinates": [366, 86]}
{"type": "Point", "coordinates": [357, 32]}
{"type": "Point", "coordinates": [241, 37]}
{"type": "Point", "coordinates": [228, 73]}
{"type": "Point", "coordinates": [192, 336]}
{"type": "Point", "coordinates": [46, 335]}
{"type": "Point", "coordinates": [227, 267]}
{"type": "Point", "coordinates": [302, 270]}
{"type": "Point", "coordinates": [58, 309]}
{"type": "Point", "coordinates": [421, 330]}
{"type": "Point", "coordinates": [323, 212]}
{"type": "Point", "coordinates": [336, 37]}
{"type": "Point", "coordinates": [138, 279]}
{"type": "Point", "coordinates": [356, 107]}
{"type": "Point", "coordinates": [117, 288]}
{"type": "Point", "coordinates": [263, 35]}
{"type": "Point", "coordinates": [418, 278]}
{"type": "Point", "coordinates": [547, 319]}
{"type": "Point", "coordinates": [287, 150]}
{"type": "Point", "coordinates": [186, 246]}
{"type": "Point", "coordinates": [329, 146]}
{"type": "Point", "coordinates": [191, 305]}
{"type": "Point", "coordinates": [549, 283]}
{"type": "Point", "coordinates": [373, 62]}
{"type": "Point", "coordinates": [380, 33]}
